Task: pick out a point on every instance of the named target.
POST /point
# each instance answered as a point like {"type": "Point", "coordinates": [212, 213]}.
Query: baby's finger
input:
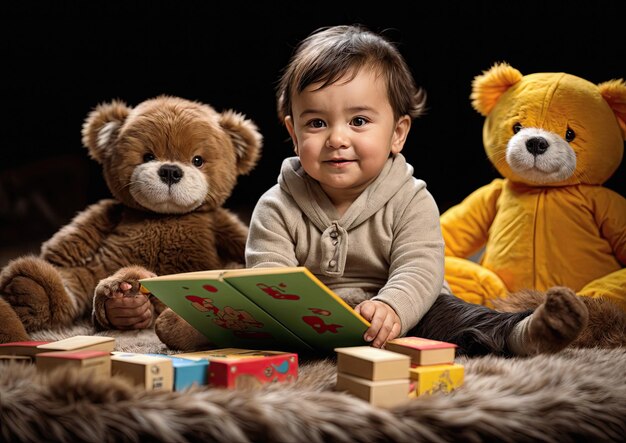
{"type": "Point", "coordinates": [145, 320]}
{"type": "Point", "coordinates": [383, 332]}
{"type": "Point", "coordinates": [125, 286]}
{"type": "Point", "coordinates": [366, 309]}
{"type": "Point", "coordinates": [376, 323]}
{"type": "Point", "coordinates": [395, 332]}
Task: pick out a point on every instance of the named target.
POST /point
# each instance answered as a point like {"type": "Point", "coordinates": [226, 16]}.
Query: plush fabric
{"type": "Point", "coordinates": [555, 138]}
{"type": "Point", "coordinates": [576, 395]}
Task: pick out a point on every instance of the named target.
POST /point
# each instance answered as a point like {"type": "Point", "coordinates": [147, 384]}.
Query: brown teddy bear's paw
{"type": "Point", "coordinates": [558, 321]}
{"type": "Point", "coordinates": [115, 283]}
{"type": "Point", "coordinates": [34, 290]}
{"type": "Point", "coordinates": [12, 328]}
{"type": "Point", "coordinates": [177, 334]}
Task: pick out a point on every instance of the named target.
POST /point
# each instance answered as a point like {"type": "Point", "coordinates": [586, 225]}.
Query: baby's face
{"type": "Point", "coordinates": [344, 133]}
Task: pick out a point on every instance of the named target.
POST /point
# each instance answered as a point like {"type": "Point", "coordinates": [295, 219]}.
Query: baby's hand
{"type": "Point", "coordinates": [385, 323]}
{"type": "Point", "coordinates": [125, 306]}
{"type": "Point", "coordinates": [126, 311]}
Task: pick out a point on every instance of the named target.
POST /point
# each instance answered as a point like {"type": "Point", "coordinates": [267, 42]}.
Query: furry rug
{"type": "Point", "coordinates": [576, 395]}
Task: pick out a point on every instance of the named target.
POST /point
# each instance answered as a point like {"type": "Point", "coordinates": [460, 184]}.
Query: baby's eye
{"type": "Point", "coordinates": [316, 123]}
{"type": "Point", "coordinates": [359, 121]}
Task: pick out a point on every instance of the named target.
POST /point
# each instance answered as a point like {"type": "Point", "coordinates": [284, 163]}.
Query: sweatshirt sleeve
{"type": "Point", "coordinates": [416, 270]}
{"type": "Point", "coordinates": [270, 243]}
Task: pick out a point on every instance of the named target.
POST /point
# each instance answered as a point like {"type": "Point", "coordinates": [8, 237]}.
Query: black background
{"type": "Point", "coordinates": [60, 59]}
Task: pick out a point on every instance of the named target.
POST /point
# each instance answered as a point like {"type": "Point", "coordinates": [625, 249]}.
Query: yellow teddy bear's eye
{"type": "Point", "coordinates": [570, 135]}
{"type": "Point", "coordinates": [517, 127]}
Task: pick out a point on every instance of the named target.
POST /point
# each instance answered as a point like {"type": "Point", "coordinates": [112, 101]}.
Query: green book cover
{"type": "Point", "coordinates": [268, 308]}
{"type": "Point", "coordinates": [221, 313]}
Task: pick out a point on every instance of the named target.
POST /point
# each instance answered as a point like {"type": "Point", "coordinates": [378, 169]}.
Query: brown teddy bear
{"type": "Point", "coordinates": [170, 164]}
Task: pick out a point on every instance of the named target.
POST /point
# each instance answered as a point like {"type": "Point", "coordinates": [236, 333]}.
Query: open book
{"type": "Point", "coordinates": [284, 308]}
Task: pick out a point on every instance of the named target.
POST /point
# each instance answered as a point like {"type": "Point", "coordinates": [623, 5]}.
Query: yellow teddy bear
{"type": "Point", "coordinates": [555, 138]}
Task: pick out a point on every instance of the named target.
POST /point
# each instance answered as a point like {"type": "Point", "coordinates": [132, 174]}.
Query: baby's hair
{"type": "Point", "coordinates": [329, 53]}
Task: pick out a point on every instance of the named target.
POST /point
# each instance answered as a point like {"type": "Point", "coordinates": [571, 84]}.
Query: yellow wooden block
{"type": "Point", "coordinates": [436, 378]}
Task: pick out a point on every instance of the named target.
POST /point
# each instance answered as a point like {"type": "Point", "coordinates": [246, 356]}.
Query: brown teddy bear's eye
{"type": "Point", "coordinates": [148, 157]}
{"type": "Point", "coordinates": [517, 127]}
{"type": "Point", "coordinates": [197, 161]}
{"type": "Point", "coordinates": [570, 135]}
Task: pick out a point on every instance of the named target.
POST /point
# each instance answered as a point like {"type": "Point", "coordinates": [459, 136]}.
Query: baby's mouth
{"type": "Point", "coordinates": [338, 161]}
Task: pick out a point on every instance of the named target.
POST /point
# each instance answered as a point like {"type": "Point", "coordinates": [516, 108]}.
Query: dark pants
{"type": "Point", "coordinates": [475, 329]}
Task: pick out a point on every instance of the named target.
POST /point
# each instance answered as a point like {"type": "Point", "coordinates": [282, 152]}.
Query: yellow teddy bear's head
{"type": "Point", "coordinates": [551, 129]}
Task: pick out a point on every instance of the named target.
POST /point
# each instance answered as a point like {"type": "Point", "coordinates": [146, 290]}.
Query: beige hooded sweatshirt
{"type": "Point", "coordinates": [387, 246]}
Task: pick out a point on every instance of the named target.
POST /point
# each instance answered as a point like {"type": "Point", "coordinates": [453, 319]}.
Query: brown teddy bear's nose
{"type": "Point", "coordinates": [537, 145]}
{"type": "Point", "coordinates": [170, 174]}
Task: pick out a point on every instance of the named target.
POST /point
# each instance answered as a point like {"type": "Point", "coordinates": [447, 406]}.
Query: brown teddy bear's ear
{"type": "Point", "coordinates": [246, 138]}
{"type": "Point", "coordinates": [488, 87]}
{"type": "Point", "coordinates": [101, 125]}
{"type": "Point", "coordinates": [614, 92]}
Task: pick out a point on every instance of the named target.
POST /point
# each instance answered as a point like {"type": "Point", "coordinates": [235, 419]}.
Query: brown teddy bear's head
{"type": "Point", "coordinates": [170, 155]}
{"type": "Point", "coordinates": [551, 129]}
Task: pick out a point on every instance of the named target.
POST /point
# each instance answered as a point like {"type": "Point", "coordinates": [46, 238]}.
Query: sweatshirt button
{"type": "Point", "coordinates": [333, 234]}
{"type": "Point", "coordinates": [332, 263]}
{"type": "Point", "coordinates": [335, 242]}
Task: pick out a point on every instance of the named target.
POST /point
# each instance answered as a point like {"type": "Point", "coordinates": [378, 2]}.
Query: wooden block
{"type": "Point", "coordinates": [436, 378]}
{"type": "Point", "coordinates": [383, 393]}
{"type": "Point", "coordinates": [97, 363]}
{"type": "Point", "coordinates": [423, 351]}
{"type": "Point", "coordinates": [247, 368]}
{"type": "Point", "coordinates": [16, 358]}
{"type": "Point", "coordinates": [151, 373]}
{"type": "Point", "coordinates": [187, 372]}
{"type": "Point", "coordinates": [372, 363]}
{"type": "Point", "coordinates": [81, 343]}
{"type": "Point", "coordinates": [224, 352]}
{"type": "Point", "coordinates": [25, 348]}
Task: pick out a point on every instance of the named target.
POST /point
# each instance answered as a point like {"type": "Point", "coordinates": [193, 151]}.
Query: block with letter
{"type": "Point", "coordinates": [81, 343]}
{"type": "Point", "coordinates": [187, 372]}
{"type": "Point", "coordinates": [285, 308]}
{"type": "Point", "coordinates": [247, 368]}
{"type": "Point", "coordinates": [383, 393]}
{"type": "Point", "coordinates": [151, 373]}
{"type": "Point", "coordinates": [436, 378]}
{"type": "Point", "coordinates": [423, 351]}
{"type": "Point", "coordinates": [96, 363]}
{"type": "Point", "coordinates": [372, 363]}
{"type": "Point", "coordinates": [21, 349]}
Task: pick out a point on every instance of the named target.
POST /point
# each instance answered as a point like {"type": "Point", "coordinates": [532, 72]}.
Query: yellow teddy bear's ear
{"type": "Point", "coordinates": [488, 87]}
{"type": "Point", "coordinates": [614, 92]}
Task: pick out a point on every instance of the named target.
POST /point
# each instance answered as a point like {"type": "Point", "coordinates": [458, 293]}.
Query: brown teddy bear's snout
{"type": "Point", "coordinates": [170, 174]}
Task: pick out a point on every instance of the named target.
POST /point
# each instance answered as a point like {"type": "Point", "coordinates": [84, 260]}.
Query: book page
{"type": "Point", "coordinates": [296, 298]}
